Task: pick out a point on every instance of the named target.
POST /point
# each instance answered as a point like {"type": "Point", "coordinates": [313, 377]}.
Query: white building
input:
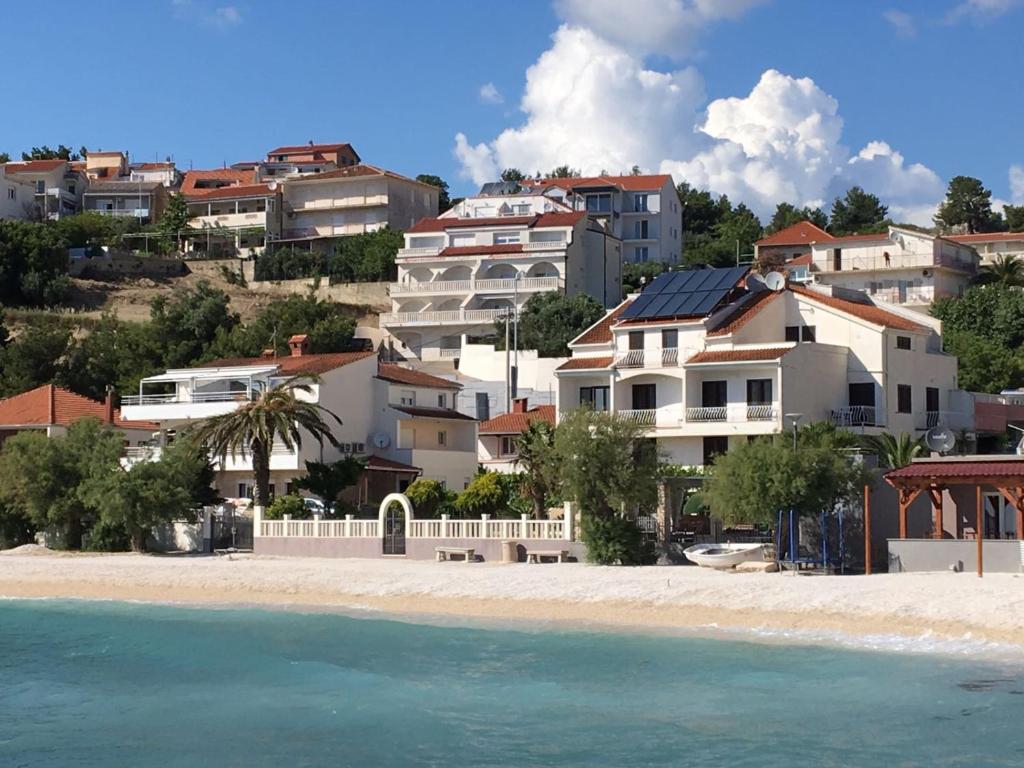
{"type": "Point", "coordinates": [496, 444]}
{"type": "Point", "coordinates": [459, 273]}
{"type": "Point", "coordinates": [735, 366]}
{"type": "Point", "coordinates": [642, 211]}
{"type": "Point", "coordinates": [403, 422]}
{"type": "Point", "coordinates": [235, 218]}
{"type": "Point", "coordinates": [162, 173]}
{"type": "Point", "coordinates": [992, 245]}
{"type": "Point", "coordinates": [17, 197]}
{"type": "Point", "coordinates": [58, 185]}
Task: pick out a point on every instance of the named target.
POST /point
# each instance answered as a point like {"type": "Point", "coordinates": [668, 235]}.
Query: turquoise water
{"type": "Point", "coordinates": [108, 684]}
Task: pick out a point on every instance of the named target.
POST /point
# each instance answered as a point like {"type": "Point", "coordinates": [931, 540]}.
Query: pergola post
{"type": "Point", "coordinates": [906, 498]}
{"type": "Point", "coordinates": [867, 530]}
{"type": "Point", "coordinates": [935, 494]}
{"type": "Point", "coordinates": [981, 528]}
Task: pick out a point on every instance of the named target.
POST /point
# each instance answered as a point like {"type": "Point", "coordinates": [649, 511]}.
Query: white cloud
{"type": "Point", "coordinates": [223, 16]}
{"type": "Point", "coordinates": [1017, 184]}
{"type": "Point", "coordinates": [912, 191]}
{"type": "Point", "coordinates": [489, 94]}
{"type": "Point", "coordinates": [901, 21]}
{"type": "Point", "coordinates": [981, 11]}
{"type": "Point", "coordinates": [668, 27]}
{"type": "Point", "coordinates": [478, 163]}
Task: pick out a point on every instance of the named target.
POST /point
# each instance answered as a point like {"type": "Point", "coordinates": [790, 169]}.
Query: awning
{"type": "Point", "coordinates": [207, 374]}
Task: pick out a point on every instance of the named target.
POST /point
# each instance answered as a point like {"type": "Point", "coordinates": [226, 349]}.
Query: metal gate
{"type": "Point", "coordinates": [228, 531]}
{"type": "Point", "coordinates": [394, 531]}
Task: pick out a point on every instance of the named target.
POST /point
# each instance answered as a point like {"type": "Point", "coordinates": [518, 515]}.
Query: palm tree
{"type": "Point", "coordinates": [894, 452]}
{"type": "Point", "coordinates": [535, 448]}
{"type": "Point", "coordinates": [276, 414]}
{"type": "Point", "coordinates": [1006, 269]}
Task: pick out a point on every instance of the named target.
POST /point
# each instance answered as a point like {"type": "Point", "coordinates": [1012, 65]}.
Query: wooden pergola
{"type": "Point", "coordinates": [935, 475]}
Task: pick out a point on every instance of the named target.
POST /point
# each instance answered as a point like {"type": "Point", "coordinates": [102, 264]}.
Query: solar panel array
{"type": "Point", "coordinates": [689, 293]}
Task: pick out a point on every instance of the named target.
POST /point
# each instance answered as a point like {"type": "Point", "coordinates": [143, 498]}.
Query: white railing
{"type": "Point", "coordinates": [761, 412]}
{"type": "Point", "coordinates": [707, 413]}
{"type": "Point", "coordinates": [554, 245]}
{"type": "Point", "coordinates": [443, 528]}
{"type": "Point", "coordinates": [454, 316]}
{"type": "Point", "coordinates": [193, 397]}
{"type": "Point", "coordinates": [634, 358]}
{"type": "Point", "coordinates": [645, 417]}
{"type": "Point", "coordinates": [432, 250]}
{"type": "Point", "coordinates": [851, 263]}
{"type": "Point", "coordinates": [501, 285]}
{"type": "Point", "coordinates": [142, 452]}
{"type": "Point", "coordinates": [670, 356]}
{"type": "Point", "coordinates": [854, 416]}
{"type": "Point", "coordinates": [449, 354]}
{"type": "Point", "coordinates": [149, 399]}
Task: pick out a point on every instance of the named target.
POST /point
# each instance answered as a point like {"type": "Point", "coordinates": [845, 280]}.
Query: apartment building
{"type": "Point", "coordinates": [106, 166]}
{"type": "Point", "coordinates": [705, 359]}
{"type": "Point", "coordinates": [58, 185]}
{"type": "Point", "coordinates": [496, 444]}
{"type": "Point", "coordinates": [403, 422]}
{"type": "Point", "coordinates": [351, 201]}
{"type": "Point", "coordinates": [142, 200]}
{"type": "Point", "coordinates": [993, 245]}
{"type": "Point", "coordinates": [340, 155]}
{"type": "Point", "coordinates": [460, 272]}
{"type": "Point", "coordinates": [163, 173]}
{"type": "Point", "coordinates": [900, 265]}
{"type": "Point", "coordinates": [642, 211]}
{"type": "Point", "coordinates": [232, 218]}
{"type": "Point", "coordinates": [17, 198]}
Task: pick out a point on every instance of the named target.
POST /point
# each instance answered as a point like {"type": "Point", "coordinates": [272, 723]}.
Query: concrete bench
{"type": "Point", "coordinates": [445, 553]}
{"type": "Point", "coordinates": [536, 555]}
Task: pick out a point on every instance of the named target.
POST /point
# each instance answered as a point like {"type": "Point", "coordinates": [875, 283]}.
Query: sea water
{"type": "Point", "coordinates": [114, 684]}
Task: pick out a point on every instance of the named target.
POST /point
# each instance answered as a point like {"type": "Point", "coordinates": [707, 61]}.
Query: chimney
{"type": "Point", "coordinates": [108, 406]}
{"type": "Point", "coordinates": [519, 405]}
{"type": "Point", "coordinates": [268, 353]}
{"type": "Point", "coordinates": [52, 403]}
{"type": "Point", "coordinates": [299, 345]}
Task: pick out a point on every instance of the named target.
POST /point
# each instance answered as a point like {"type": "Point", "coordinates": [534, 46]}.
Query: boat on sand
{"type": "Point", "coordinates": [723, 555]}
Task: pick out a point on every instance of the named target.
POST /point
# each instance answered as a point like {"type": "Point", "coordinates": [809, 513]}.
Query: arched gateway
{"type": "Point", "coordinates": [394, 517]}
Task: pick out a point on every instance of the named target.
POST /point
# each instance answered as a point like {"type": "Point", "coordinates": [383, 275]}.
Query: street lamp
{"type": "Point", "coordinates": [795, 418]}
{"type": "Point", "coordinates": [515, 341]}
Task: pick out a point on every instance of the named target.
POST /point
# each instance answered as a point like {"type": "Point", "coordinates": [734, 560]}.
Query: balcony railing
{"type": "Point", "coordinates": [450, 317]}
{"type": "Point", "coordinates": [192, 397]}
{"type": "Point", "coordinates": [670, 356]}
{"type": "Point", "coordinates": [761, 413]}
{"type": "Point", "coordinates": [634, 358]}
{"type": "Point", "coordinates": [850, 263]}
{"type": "Point", "coordinates": [854, 416]}
{"type": "Point", "coordinates": [500, 285]}
{"type": "Point", "coordinates": [646, 417]}
{"type": "Point", "coordinates": [449, 354]}
{"type": "Point", "coordinates": [707, 413]}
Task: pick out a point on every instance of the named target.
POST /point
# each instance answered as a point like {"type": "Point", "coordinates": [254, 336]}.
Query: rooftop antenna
{"type": "Point", "coordinates": [776, 281]}
{"type": "Point", "coordinates": [941, 440]}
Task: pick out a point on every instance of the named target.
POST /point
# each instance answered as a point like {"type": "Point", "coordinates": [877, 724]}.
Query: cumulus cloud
{"type": "Point", "coordinates": [1017, 184]}
{"type": "Point", "coordinates": [981, 11]}
{"type": "Point", "coordinates": [912, 191]}
{"type": "Point", "coordinates": [901, 21]}
{"type": "Point", "coordinates": [668, 27]}
{"type": "Point", "coordinates": [489, 94]}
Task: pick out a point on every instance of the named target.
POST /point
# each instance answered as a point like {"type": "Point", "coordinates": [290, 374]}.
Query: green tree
{"type": "Point", "coordinates": [562, 172]}
{"type": "Point", "coordinates": [187, 323]}
{"type": "Point", "coordinates": [984, 365]}
{"type": "Point", "coordinates": [330, 327]}
{"type": "Point", "coordinates": [994, 312]}
{"type": "Point", "coordinates": [787, 214]}
{"type": "Point", "coordinates": [700, 212]}
{"type": "Point", "coordinates": [893, 451]}
{"type": "Point", "coordinates": [549, 321]}
{"type": "Point", "coordinates": [739, 230]}
{"type": "Point", "coordinates": [429, 498]}
{"type": "Point", "coordinates": [277, 415]}
{"type": "Point", "coordinates": [45, 153]}
{"type": "Point", "coordinates": [485, 495]}
{"type": "Point", "coordinates": [535, 449]}
{"type": "Point", "coordinates": [635, 276]}
{"type": "Point", "coordinates": [328, 480]}
{"type": "Point", "coordinates": [513, 174]}
{"type": "Point", "coordinates": [4, 158]}
{"type": "Point", "coordinates": [1005, 269]}
{"type": "Point", "coordinates": [444, 202]}
{"type": "Point", "coordinates": [173, 224]}
{"type": "Point", "coordinates": [1014, 215]}
{"type": "Point", "coordinates": [607, 468]}
{"type": "Point", "coordinates": [46, 477]}
{"type": "Point", "coordinates": [112, 353]}
{"type": "Point", "coordinates": [34, 357]}
{"type": "Point", "coordinates": [33, 263]}
{"type": "Point", "coordinates": [967, 207]}
{"type": "Point", "coordinates": [289, 504]}
{"type": "Point", "coordinates": [858, 212]}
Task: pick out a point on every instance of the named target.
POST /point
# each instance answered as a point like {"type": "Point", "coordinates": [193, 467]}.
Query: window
{"type": "Point", "coordinates": [800, 333]}
{"type": "Point", "coordinates": [641, 229]}
{"type": "Point", "coordinates": [636, 339]}
{"type": "Point", "coordinates": [792, 333]}
{"type": "Point", "coordinates": [669, 338]}
{"type": "Point", "coordinates": [599, 203]}
{"type": "Point", "coordinates": [759, 391]}
{"type": "Point", "coordinates": [442, 437]}
{"type": "Point", "coordinates": [595, 397]}
{"type": "Point", "coordinates": [640, 203]}
{"type": "Point", "coordinates": [715, 446]}
{"type": "Point", "coordinates": [641, 254]}
{"type": "Point", "coordinates": [931, 405]}
{"type": "Point", "coordinates": [713, 394]}
{"type": "Point", "coordinates": [807, 333]}
{"type": "Point", "coordinates": [40, 187]}
{"type": "Point", "coordinates": [902, 342]}
{"type": "Point", "coordinates": [837, 259]}
{"type": "Point", "coordinates": [904, 401]}
{"type": "Point", "coordinates": [440, 401]}
{"type": "Point", "coordinates": [243, 491]}
{"type": "Point", "coordinates": [11, 194]}
{"type": "Point", "coordinates": [645, 397]}
{"type": "Point", "coordinates": [505, 238]}
{"type": "Point", "coordinates": [407, 397]}
{"type": "Point", "coordinates": [508, 446]}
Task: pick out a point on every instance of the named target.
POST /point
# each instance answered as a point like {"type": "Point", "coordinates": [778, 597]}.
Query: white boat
{"type": "Point", "coordinates": [723, 555]}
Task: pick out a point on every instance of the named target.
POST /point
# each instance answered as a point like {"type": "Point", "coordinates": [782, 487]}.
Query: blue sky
{"type": "Point", "coordinates": [221, 81]}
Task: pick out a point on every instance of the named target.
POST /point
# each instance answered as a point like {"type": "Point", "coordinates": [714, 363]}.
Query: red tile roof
{"type": "Point", "coordinates": [356, 171]}
{"type": "Point", "coordinates": [585, 363]}
{"type": "Point", "coordinates": [745, 312]}
{"type": "Point", "coordinates": [516, 423]}
{"type": "Point", "coordinates": [310, 365]}
{"type": "Point", "coordinates": [34, 166]}
{"type": "Point", "coordinates": [985, 237]}
{"type": "Point", "coordinates": [796, 234]}
{"type": "Point", "coordinates": [739, 355]}
{"type": "Point", "coordinates": [870, 237]}
{"type": "Point", "coordinates": [151, 166]}
{"type": "Point", "coordinates": [232, 192]}
{"type": "Point", "coordinates": [601, 331]}
{"type": "Point", "coordinates": [310, 148]}
{"type": "Point", "coordinates": [396, 374]}
{"type": "Point", "coordinates": [433, 413]}
{"type": "Point", "coordinates": [869, 312]}
{"type": "Point", "coordinates": [51, 405]}
{"type": "Point", "coordinates": [380, 464]}
{"type": "Point", "coordinates": [630, 183]}
{"type": "Point", "coordinates": [803, 260]}
{"type": "Point", "coordinates": [959, 469]}
{"type": "Point", "coordinates": [233, 175]}
{"type": "Point", "coordinates": [437, 224]}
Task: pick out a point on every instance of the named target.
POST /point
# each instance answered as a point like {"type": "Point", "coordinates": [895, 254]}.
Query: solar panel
{"type": "Point", "coordinates": [687, 293]}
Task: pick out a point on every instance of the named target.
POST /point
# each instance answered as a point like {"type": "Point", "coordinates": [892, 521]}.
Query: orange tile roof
{"type": "Point", "coordinates": [150, 166]}
{"type": "Point", "coordinates": [380, 464]}
{"type": "Point", "coordinates": [743, 313]}
{"type": "Point", "coordinates": [585, 363]}
{"type": "Point", "coordinates": [871, 236]}
{"type": "Point", "coordinates": [437, 224]}
{"type": "Point", "coordinates": [397, 374]}
{"type": "Point", "coordinates": [356, 171]}
{"type": "Point", "coordinates": [310, 148]}
{"type": "Point", "coordinates": [601, 331]}
{"type": "Point", "coordinates": [229, 193]}
{"type": "Point", "coordinates": [803, 260]}
{"type": "Point", "coordinates": [796, 234]}
{"type": "Point", "coordinates": [516, 423]}
{"type": "Point", "coordinates": [869, 312]}
{"type": "Point", "coordinates": [631, 183]}
{"type": "Point", "coordinates": [310, 365]}
{"type": "Point", "coordinates": [34, 166]}
{"type": "Point", "coordinates": [739, 355]}
{"type": "Point", "coordinates": [985, 237]}
{"type": "Point", "coordinates": [52, 405]}
{"type": "Point", "coordinates": [233, 175]}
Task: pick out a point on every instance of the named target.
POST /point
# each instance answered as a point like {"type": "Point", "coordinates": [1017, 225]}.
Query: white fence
{"type": "Point", "coordinates": [443, 528]}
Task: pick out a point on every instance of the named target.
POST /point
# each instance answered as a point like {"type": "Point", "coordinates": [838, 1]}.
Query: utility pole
{"type": "Point", "coordinates": [508, 369]}
{"type": "Point", "coordinates": [515, 336]}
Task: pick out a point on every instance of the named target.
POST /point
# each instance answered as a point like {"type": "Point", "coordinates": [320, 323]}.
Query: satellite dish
{"type": "Point", "coordinates": [776, 281]}
{"type": "Point", "coordinates": [939, 439]}
{"type": "Point", "coordinates": [755, 282]}
{"type": "Point", "coordinates": [381, 440]}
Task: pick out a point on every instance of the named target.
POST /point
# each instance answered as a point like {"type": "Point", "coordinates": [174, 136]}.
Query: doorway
{"type": "Point", "coordinates": [394, 530]}
{"type": "Point", "coordinates": [1000, 517]}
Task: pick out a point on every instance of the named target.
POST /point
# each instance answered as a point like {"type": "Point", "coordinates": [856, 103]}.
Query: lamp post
{"type": "Point", "coordinates": [515, 339]}
{"type": "Point", "coordinates": [795, 418]}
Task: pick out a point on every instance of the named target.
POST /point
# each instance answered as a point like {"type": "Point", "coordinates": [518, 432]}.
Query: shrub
{"type": "Point", "coordinates": [485, 495]}
{"type": "Point", "coordinates": [291, 505]}
{"type": "Point", "coordinates": [429, 498]}
{"type": "Point", "coordinates": [615, 540]}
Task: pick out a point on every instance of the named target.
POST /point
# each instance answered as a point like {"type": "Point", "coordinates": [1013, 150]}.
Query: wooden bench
{"type": "Point", "coordinates": [445, 553]}
{"type": "Point", "coordinates": [536, 555]}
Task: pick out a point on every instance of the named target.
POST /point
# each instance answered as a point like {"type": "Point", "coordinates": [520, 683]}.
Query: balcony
{"type": "Point", "coordinates": [503, 285]}
{"type": "Point", "coordinates": [647, 417]}
{"type": "Point", "coordinates": [230, 220]}
{"type": "Point", "coordinates": [182, 406]}
{"type": "Point", "coordinates": [648, 358]}
{"type": "Point", "coordinates": [851, 263]}
{"type": "Point", "coordinates": [735, 413]}
{"type": "Point", "coordinates": [307, 206]}
{"type": "Point", "coordinates": [450, 317]}
{"type": "Point", "coordinates": [707, 413]}
{"type": "Point", "coordinates": [855, 416]}
{"type": "Point", "coordinates": [135, 213]}
{"type": "Point", "coordinates": [192, 397]}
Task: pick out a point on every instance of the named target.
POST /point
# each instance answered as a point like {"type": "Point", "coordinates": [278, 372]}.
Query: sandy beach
{"type": "Point", "coordinates": [912, 608]}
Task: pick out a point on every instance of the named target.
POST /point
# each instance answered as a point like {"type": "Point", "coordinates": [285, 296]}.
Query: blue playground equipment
{"type": "Point", "coordinates": [790, 551]}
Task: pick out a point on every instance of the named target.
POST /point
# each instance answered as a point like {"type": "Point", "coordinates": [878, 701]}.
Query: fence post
{"type": "Point", "coordinates": [444, 526]}
{"type": "Point", "coordinates": [524, 527]}
{"type": "Point", "coordinates": [287, 525]}
{"type": "Point", "coordinates": [317, 532]}
{"type": "Point", "coordinates": [568, 520]}
{"type": "Point", "coordinates": [348, 526]}
{"type": "Point", "coordinates": [483, 526]}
